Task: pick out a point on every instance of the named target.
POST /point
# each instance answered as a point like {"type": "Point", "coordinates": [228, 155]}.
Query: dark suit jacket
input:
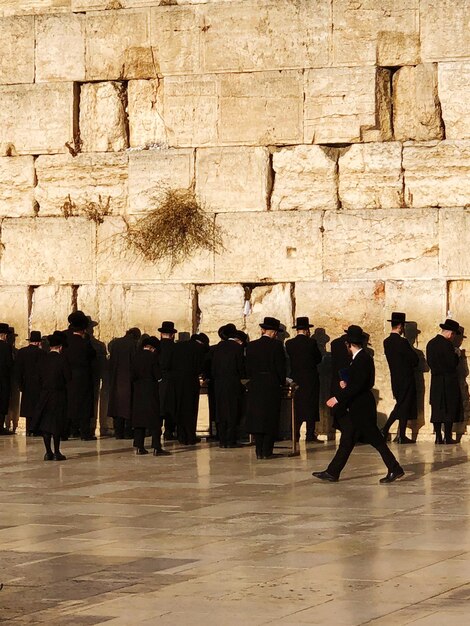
{"type": "Point", "coordinates": [445, 399]}
{"type": "Point", "coordinates": [357, 397]}
{"type": "Point", "coordinates": [228, 368]}
{"type": "Point", "coordinates": [402, 360]}
{"type": "Point", "coordinates": [121, 352]}
{"type": "Point", "coordinates": [28, 365]}
{"type": "Point", "coordinates": [304, 356]}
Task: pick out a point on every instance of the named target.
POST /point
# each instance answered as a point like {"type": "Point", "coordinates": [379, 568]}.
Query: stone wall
{"type": "Point", "coordinates": [329, 138]}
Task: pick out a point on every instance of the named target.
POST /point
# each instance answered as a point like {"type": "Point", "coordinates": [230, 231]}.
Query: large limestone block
{"type": "Point", "coordinates": [118, 45]}
{"type": "Point", "coordinates": [272, 301]}
{"type": "Point", "coordinates": [265, 35]}
{"type": "Point", "coordinates": [144, 109]}
{"type": "Point", "coordinates": [454, 242]}
{"type": "Point", "coordinates": [17, 58]}
{"type": "Point", "coordinates": [82, 179]}
{"type": "Point", "coordinates": [147, 306]}
{"type": "Point", "coordinates": [261, 108]}
{"type": "Point", "coordinates": [17, 180]}
{"type": "Point", "coordinates": [359, 26]}
{"type": "Point", "coordinates": [106, 305]}
{"type": "Point", "coordinates": [347, 105]}
{"type": "Point", "coordinates": [233, 179]}
{"type": "Point", "coordinates": [42, 250]}
{"type": "Point", "coordinates": [190, 110]}
{"type": "Point", "coordinates": [50, 307]}
{"type": "Point", "coordinates": [60, 48]}
{"type": "Point", "coordinates": [395, 48]}
{"type": "Point", "coordinates": [153, 171]}
{"type": "Point", "coordinates": [379, 243]}
{"type": "Point", "coordinates": [416, 107]}
{"type": "Point", "coordinates": [270, 247]}
{"type": "Point", "coordinates": [454, 95]}
{"type": "Point", "coordinates": [33, 7]}
{"type": "Point", "coordinates": [436, 174]}
{"type": "Point", "coordinates": [37, 119]}
{"type": "Point", "coordinates": [103, 119]}
{"type": "Point", "coordinates": [14, 308]}
{"type": "Point", "coordinates": [117, 263]}
{"type": "Point", "coordinates": [305, 178]}
{"type": "Point", "coordinates": [445, 29]}
{"type": "Point", "coordinates": [370, 176]}
{"type": "Point", "coordinates": [219, 305]}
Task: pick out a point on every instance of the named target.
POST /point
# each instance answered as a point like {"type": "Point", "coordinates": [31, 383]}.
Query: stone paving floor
{"type": "Point", "coordinates": [214, 537]}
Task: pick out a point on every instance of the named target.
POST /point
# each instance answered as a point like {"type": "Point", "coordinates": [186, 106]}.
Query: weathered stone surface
{"type": "Point", "coordinates": [370, 176]}
{"type": "Point", "coordinates": [17, 58]}
{"type": "Point", "coordinates": [41, 250]}
{"type": "Point", "coordinates": [343, 103]}
{"type": "Point", "coordinates": [265, 35]}
{"type": "Point", "coordinates": [14, 308]}
{"type": "Point", "coordinates": [416, 107]}
{"type": "Point", "coordinates": [378, 243]}
{"type": "Point", "coordinates": [454, 242]}
{"type": "Point", "coordinates": [51, 305]}
{"type": "Point", "coordinates": [219, 305]}
{"type": "Point", "coordinates": [358, 25]}
{"type": "Point", "coordinates": [454, 95]}
{"type": "Point", "coordinates": [60, 48]}
{"type": "Point", "coordinates": [395, 48]}
{"type": "Point", "coordinates": [444, 29]}
{"type": "Point", "coordinates": [103, 120]}
{"type": "Point", "coordinates": [148, 305]}
{"type": "Point", "coordinates": [272, 301]}
{"type": "Point", "coordinates": [85, 178]}
{"type": "Point", "coordinates": [105, 304]}
{"type": "Point", "coordinates": [17, 179]}
{"type": "Point", "coordinates": [233, 179]}
{"type": "Point", "coordinates": [152, 171]}
{"type": "Point", "coordinates": [116, 263]}
{"type": "Point", "coordinates": [145, 107]}
{"type": "Point", "coordinates": [190, 110]}
{"type": "Point", "coordinates": [305, 178]}
{"type": "Point", "coordinates": [37, 119]}
{"type": "Point", "coordinates": [269, 247]}
{"type": "Point", "coordinates": [118, 46]}
{"type": "Point", "coordinates": [33, 7]}
{"type": "Point", "coordinates": [436, 173]}
{"type": "Point", "coordinates": [269, 103]}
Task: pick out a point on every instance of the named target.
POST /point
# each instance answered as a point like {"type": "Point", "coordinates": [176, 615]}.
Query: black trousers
{"type": "Point", "coordinates": [264, 444]}
{"type": "Point", "coordinates": [122, 427]}
{"type": "Point", "coordinates": [402, 424]}
{"type": "Point", "coordinates": [139, 438]}
{"type": "Point", "coordinates": [350, 435]}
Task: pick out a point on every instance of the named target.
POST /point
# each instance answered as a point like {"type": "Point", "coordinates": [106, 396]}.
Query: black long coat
{"type": "Point", "coordinates": [357, 398]}
{"type": "Point", "coordinates": [340, 360]}
{"type": "Point", "coordinates": [304, 357]}
{"type": "Point", "coordinates": [121, 355]}
{"type": "Point", "coordinates": [227, 370]}
{"type": "Point", "coordinates": [79, 354]}
{"type": "Point", "coordinates": [445, 398]}
{"type": "Point", "coordinates": [167, 384]}
{"type": "Point", "coordinates": [6, 370]}
{"type": "Point", "coordinates": [402, 360]}
{"type": "Point", "coordinates": [187, 365]}
{"type": "Point", "coordinates": [28, 365]}
{"type": "Point", "coordinates": [266, 369]}
{"type": "Point", "coordinates": [146, 374]}
{"type": "Point", "coordinates": [51, 411]}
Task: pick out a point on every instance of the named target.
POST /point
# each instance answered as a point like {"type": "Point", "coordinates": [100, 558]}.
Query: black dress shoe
{"type": "Point", "coordinates": [141, 451]}
{"type": "Point", "coordinates": [438, 440]}
{"type": "Point", "coordinates": [313, 439]}
{"type": "Point", "coordinates": [325, 476]}
{"type": "Point", "coordinates": [58, 456]}
{"type": "Point", "coordinates": [260, 456]}
{"type": "Point", "coordinates": [88, 438]}
{"type": "Point", "coordinates": [450, 441]}
{"type": "Point", "coordinates": [392, 476]}
{"type": "Point", "coordinates": [48, 456]}
{"type": "Point", "coordinates": [403, 440]}
{"type": "Point", "coordinates": [161, 452]}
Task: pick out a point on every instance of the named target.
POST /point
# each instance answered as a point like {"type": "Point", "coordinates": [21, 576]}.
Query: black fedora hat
{"type": "Point", "coordinates": [229, 331]}
{"type": "Point", "coordinates": [35, 336]}
{"type": "Point", "coordinates": [4, 328]}
{"type": "Point", "coordinates": [398, 318]}
{"type": "Point", "coordinates": [151, 341]}
{"type": "Point", "coordinates": [58, 338]}
{"type": "Point", "coordinates": [451, 325]}
{"type": "Point", "coordinates": [241, 336]}
{"type": "Point", "coordinates": [168, 328]}
{"type": "Point", "coordinates": [78, 320]}
{"type": "Point", "coordinates": [203, 338]}
{"type": "Point", "coordinates": [271, 323]}
{"type": "Point", "coordinates": [355, 334]}
{"type": "Point", "coordinates": [302, 323]}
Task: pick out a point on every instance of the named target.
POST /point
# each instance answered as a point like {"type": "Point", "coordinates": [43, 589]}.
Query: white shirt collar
{"type": "Point", "coordinates": [355, 355]}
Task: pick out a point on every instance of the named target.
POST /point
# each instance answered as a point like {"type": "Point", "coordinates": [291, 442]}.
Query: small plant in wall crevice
{"type": "Point", "coordinates": [94, 211]}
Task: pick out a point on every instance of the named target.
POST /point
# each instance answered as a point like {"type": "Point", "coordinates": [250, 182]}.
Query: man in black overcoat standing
{"type": "Point", "coordinates": [358, 418]}
{"type": "Point", "coordinates": [28, 365]}
{"type": "Point", "coordinates": [121, 354]}
{"type": "Point", "coordinates": [304, 356]}
{"type": "Point", "coordinates": [79, 354]}
{"type": "Point", "coordinates": [167, 385]}
{"type": "Point", "coordinates": [266, 371]}
{"type": "Point", "coordinates": [402, 361]}
{"type": "Point", "coordinates": [6, 372]}
{"type": "Point", "coordinates": [227, 371]}
{"type": "Point", "coordinates": [445, 398]}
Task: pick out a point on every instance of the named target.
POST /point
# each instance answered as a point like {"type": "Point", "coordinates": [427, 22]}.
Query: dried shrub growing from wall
{"type": "Point", "coordinates": [176, 229]}
{"type": "Point", "coordinates": [94, 211]}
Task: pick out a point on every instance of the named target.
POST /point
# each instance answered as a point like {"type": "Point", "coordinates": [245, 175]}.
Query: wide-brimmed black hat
{"type": "Point", "coordinates": [228, 331]}
{"type": "Point", "coordinates": [150, 341]}
{"type": "Point", "coordinates": [451, 325]}
{"type": "Point", "coordinates": [271, 323]}
{"type": "Point", "coordinates": [398, 318]}
{"type": "Point", "coordinates": [134, 332]}
{"type": "Point", "coordinates": [241, 336]}
{"type": "Point", "coordinates": [4, 328]}
{"type": "Point", "coordinates": [78, 320]}
{"type": "Point", "coordinates": [168, 328]}
{"type": "Point", "coordinates": [355, 334]}
{"type": "Point", "coordinates": [35, 336]}
{"type": "Point", "coordinates": [57, 338]}
{"type": "Point", "coordinates": [302, 323]}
